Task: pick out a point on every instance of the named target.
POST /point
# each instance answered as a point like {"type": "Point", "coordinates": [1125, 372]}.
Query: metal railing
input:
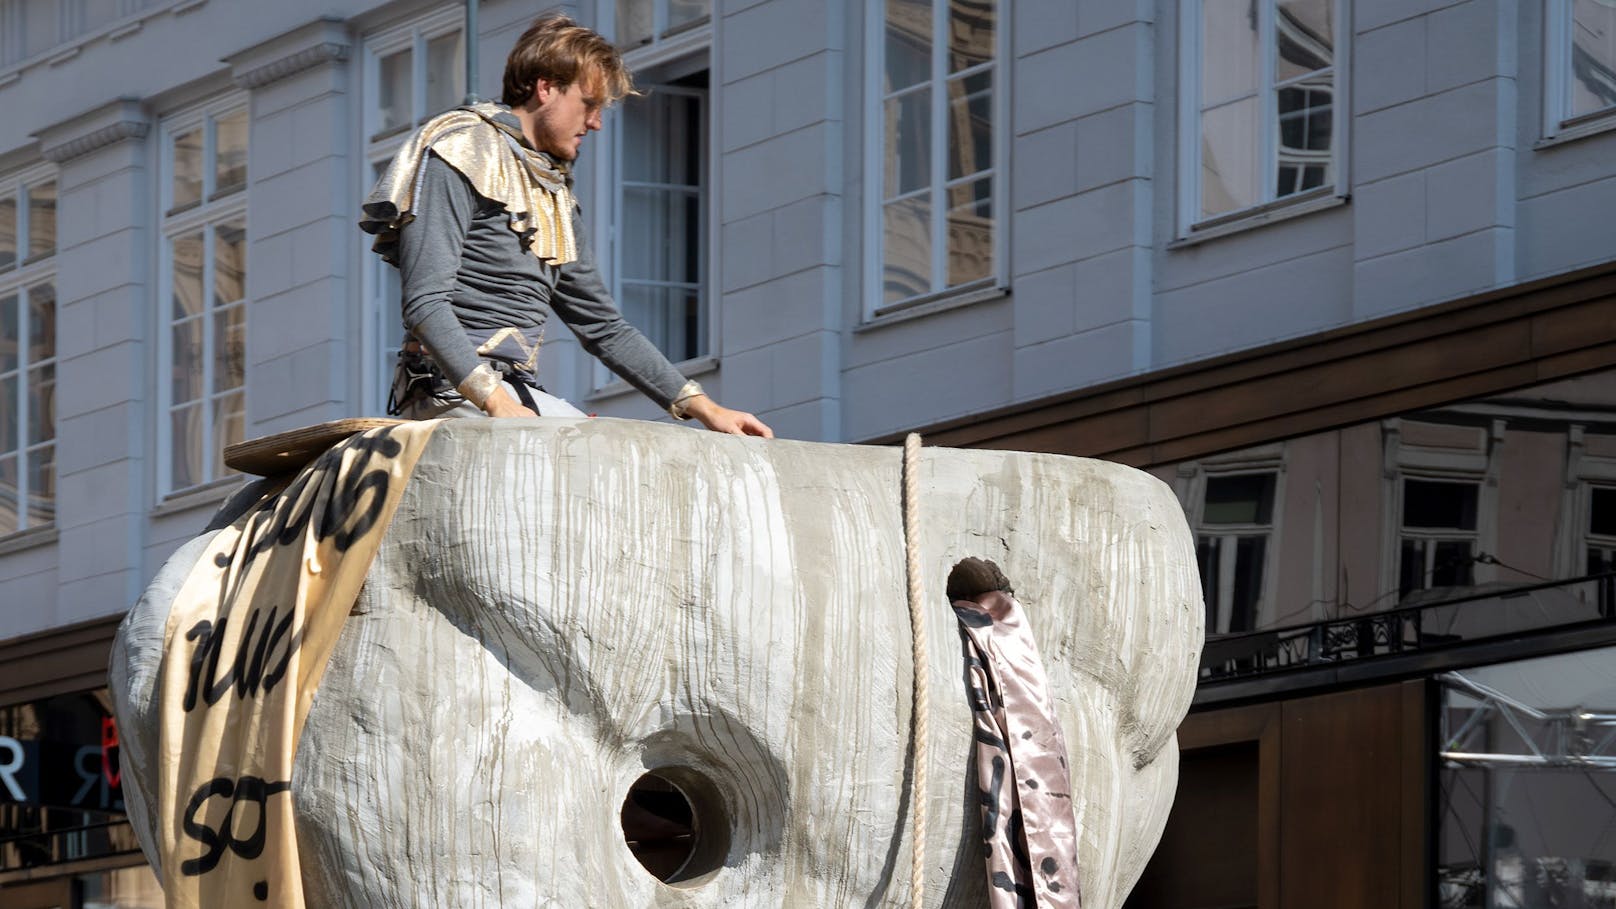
{"type": "Point", "coordinates": [1484, 615]}
{"type": "Point", "coordinates": [53, 846]}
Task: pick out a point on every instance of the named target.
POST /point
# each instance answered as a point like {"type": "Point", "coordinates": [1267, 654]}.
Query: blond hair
{"type": "Point", "coordinates": [560, 51]}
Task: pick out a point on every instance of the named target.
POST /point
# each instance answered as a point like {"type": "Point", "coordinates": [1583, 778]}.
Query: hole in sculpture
{"type": "Point", "coordinates": [674, 824]}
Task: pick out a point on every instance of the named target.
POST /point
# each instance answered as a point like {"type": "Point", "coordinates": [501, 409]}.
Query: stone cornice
{"type": "Point", "coordinates": [304, 59]}
{"type": "Point", "coordinates": [115, 121]}
{"type": "Point", "coordinates": [305, 47]}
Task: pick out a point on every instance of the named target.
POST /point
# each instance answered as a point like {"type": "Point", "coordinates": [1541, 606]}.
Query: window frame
{"type": "Point", "coordinates": [614, 209]}
{"type": "Point", "coordinates": [874, 306]}
{"type": "Point", "coordinates": [1432, 535]}
{"type": "Point", "coordinates": [204, 216]}
{"type": "Point", "coordinates": [381, 325]}
{"type": "Point", "coordinates": [1558, 121]}
{"type": "Point", "coordinates": [1476, 464]}
{"type": "Point", "coordinates": [1189, 225]}
{"type": "Point", "coordinates": [413, 34]}
{"type": "Point", "coordinates": [661, 33]}
{"type": "Point", "coordinates": [1189, 485]}
{"type": "Point", "coordinates": [25, 273]}
{"type": "Point", "coordinates": [1271, 463]}
{"type": "Point", "coordinates": [1585, 471]}
{"type": "Point", "coordinates": [1590, 539]}
{"type": "Point", "coordinates": [688, 46]}
{"type": "Point", "coordinates": [704, 284]}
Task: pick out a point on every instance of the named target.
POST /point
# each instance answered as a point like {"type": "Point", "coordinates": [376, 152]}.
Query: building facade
{"type": "Point", "coordinates": [1339, 271]}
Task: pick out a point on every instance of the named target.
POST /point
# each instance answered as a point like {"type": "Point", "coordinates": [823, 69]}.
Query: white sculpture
{"type": "Point", "coordinates": [560, 607]}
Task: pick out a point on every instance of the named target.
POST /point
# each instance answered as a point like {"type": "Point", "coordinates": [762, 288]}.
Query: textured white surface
{"type": "Point", "coordinates": [560, 606]}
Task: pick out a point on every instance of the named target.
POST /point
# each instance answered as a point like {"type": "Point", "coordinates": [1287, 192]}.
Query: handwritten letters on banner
{"type": "Point", "coordinates": [247, 640]}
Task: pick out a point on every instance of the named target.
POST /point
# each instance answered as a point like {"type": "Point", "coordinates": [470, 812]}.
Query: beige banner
{"type": "Point", "coordinates": [247, 641]}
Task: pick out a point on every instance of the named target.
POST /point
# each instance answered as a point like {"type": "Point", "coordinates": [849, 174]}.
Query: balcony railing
{"type": "Point", "coordinates": [89, 838]}
{"type": "Point", "coordinates": [1474, 617]}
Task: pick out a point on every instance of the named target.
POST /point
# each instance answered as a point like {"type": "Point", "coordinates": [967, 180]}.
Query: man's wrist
{"type": "Point", "coordinates": [502, 403]}
{"type": "Point", "coordinates": [690, 394]}
{"type": "Point", "coordinates": [479, 384]}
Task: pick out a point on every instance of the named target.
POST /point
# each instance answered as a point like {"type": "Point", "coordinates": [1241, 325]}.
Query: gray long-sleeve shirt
{"type": "Point", "coordinates": [463, 267]}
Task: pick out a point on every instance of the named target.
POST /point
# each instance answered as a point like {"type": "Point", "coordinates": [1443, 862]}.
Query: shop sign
{"type": "Point", "coordinates": [54, 774]}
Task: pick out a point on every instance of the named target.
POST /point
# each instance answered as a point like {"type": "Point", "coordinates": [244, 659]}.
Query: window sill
{"type": "Point", "coordinates": [930, 306]}
{"type": "Point", "coordinates": [224, 191]}
{"type": "Point", "coordinates": [1592, 125]}
{"type": "Point", "coordinates": [27, 539]}
{"type": "Point", "coordinates": [213, 493]}
{"type": "Point", "coordinates": [691, 369]}
{"type": "Point", "coordinates": [181, 209]}
{"type": "Point", "coordinates": [1273, 212]}
{"type": "Point", "coordinates": [386, 134]}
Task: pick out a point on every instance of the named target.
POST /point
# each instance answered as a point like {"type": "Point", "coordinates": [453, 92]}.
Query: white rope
{"type": "Point", "coordinates": [922, 700]}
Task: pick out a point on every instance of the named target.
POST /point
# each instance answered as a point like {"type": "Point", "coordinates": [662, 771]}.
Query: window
{"type": "Point", "coordinates": [60, 794]}
{"type": "Point", "coordinates": [659, 253]}
{"type": "Point", "coordinates": [934, 143]}
{"type": "Point", "coordinates": [29, 28]}
{"type": "Point", "coordinates": [1259, 117]}
{"type": "Point", "coordinates": [412, 73]}
{"type": "Point", "coordinates": [1231, 548]}
{"type": "Point", "coordinates": [640, 22]}
{"type": "Point", "coordinates": [415, 72]}
{"type": "Point", "coordinates": [657, 249]}
{"type": "Point", "coordinates": [1580, 80]}
{"type": "Point", "coordinates": [27, 352]}
{"type": "Point", "coordinates": [204, 289]}
{"type": "Point", "coordinates": [1438, 543]}
{"type": "Point", "coordinates": [1601, 539]}
{"type": "Point", "coordinates": [1600, 545]}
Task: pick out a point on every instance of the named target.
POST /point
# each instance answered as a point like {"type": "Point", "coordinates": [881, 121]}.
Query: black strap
{"type": "Point", "coordinates": [522, 392]}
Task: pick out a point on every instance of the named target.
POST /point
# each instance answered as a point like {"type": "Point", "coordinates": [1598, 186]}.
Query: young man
{"type": "Point", "coordinates": [477, 212]}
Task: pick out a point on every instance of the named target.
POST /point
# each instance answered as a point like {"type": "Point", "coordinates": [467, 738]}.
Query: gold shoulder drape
{"type": "Point", "coordinates": [476, 141]}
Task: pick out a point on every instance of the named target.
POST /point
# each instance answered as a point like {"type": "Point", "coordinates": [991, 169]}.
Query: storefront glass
{"type": "Point", "coordinates": [60, 798]}
{"type": "Point", "coordinates": [1527, 771]}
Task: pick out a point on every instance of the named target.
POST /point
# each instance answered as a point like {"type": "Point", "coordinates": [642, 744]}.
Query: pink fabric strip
{"type": "Point", "coordinates": [1028, 828]}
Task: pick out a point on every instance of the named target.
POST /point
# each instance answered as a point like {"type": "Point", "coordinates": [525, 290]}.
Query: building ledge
{"type": "Point", "coordinates": [1538, 331]}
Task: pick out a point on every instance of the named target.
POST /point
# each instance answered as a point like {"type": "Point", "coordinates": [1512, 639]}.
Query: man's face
{"type": "Point", "coordinates": [565, 116]}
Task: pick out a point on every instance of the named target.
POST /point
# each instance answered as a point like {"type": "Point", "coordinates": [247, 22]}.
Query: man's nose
{"type": "Point", "coordinates": [593, 122]}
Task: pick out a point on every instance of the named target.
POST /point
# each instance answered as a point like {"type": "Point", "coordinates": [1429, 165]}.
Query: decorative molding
{"type": "Point", "coordinates": [124, 118]}
{"type": "Point", "coordinates": [313, 44]}
{"type": "Point", "coordinates": [307, 58]}
{"type": "Point", "coordinates": [106, 135]}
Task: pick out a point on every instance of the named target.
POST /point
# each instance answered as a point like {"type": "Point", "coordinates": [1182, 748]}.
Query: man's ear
{"type": "Point", "coordinates": [543, 89]}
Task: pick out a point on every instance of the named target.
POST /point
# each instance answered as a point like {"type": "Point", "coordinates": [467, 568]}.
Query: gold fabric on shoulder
{"type": "Point", "coordinates": [488, 151]}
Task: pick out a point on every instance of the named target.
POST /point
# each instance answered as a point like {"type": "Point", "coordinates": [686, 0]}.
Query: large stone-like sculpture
{"type": "Point", "coordinates": [560, 607]}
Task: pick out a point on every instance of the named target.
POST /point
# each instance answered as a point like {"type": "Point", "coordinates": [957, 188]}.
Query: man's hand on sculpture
{"type": "Point", "coordinates": [719, 418]}
{"type": "Point", "coordinates": [501, 404]}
